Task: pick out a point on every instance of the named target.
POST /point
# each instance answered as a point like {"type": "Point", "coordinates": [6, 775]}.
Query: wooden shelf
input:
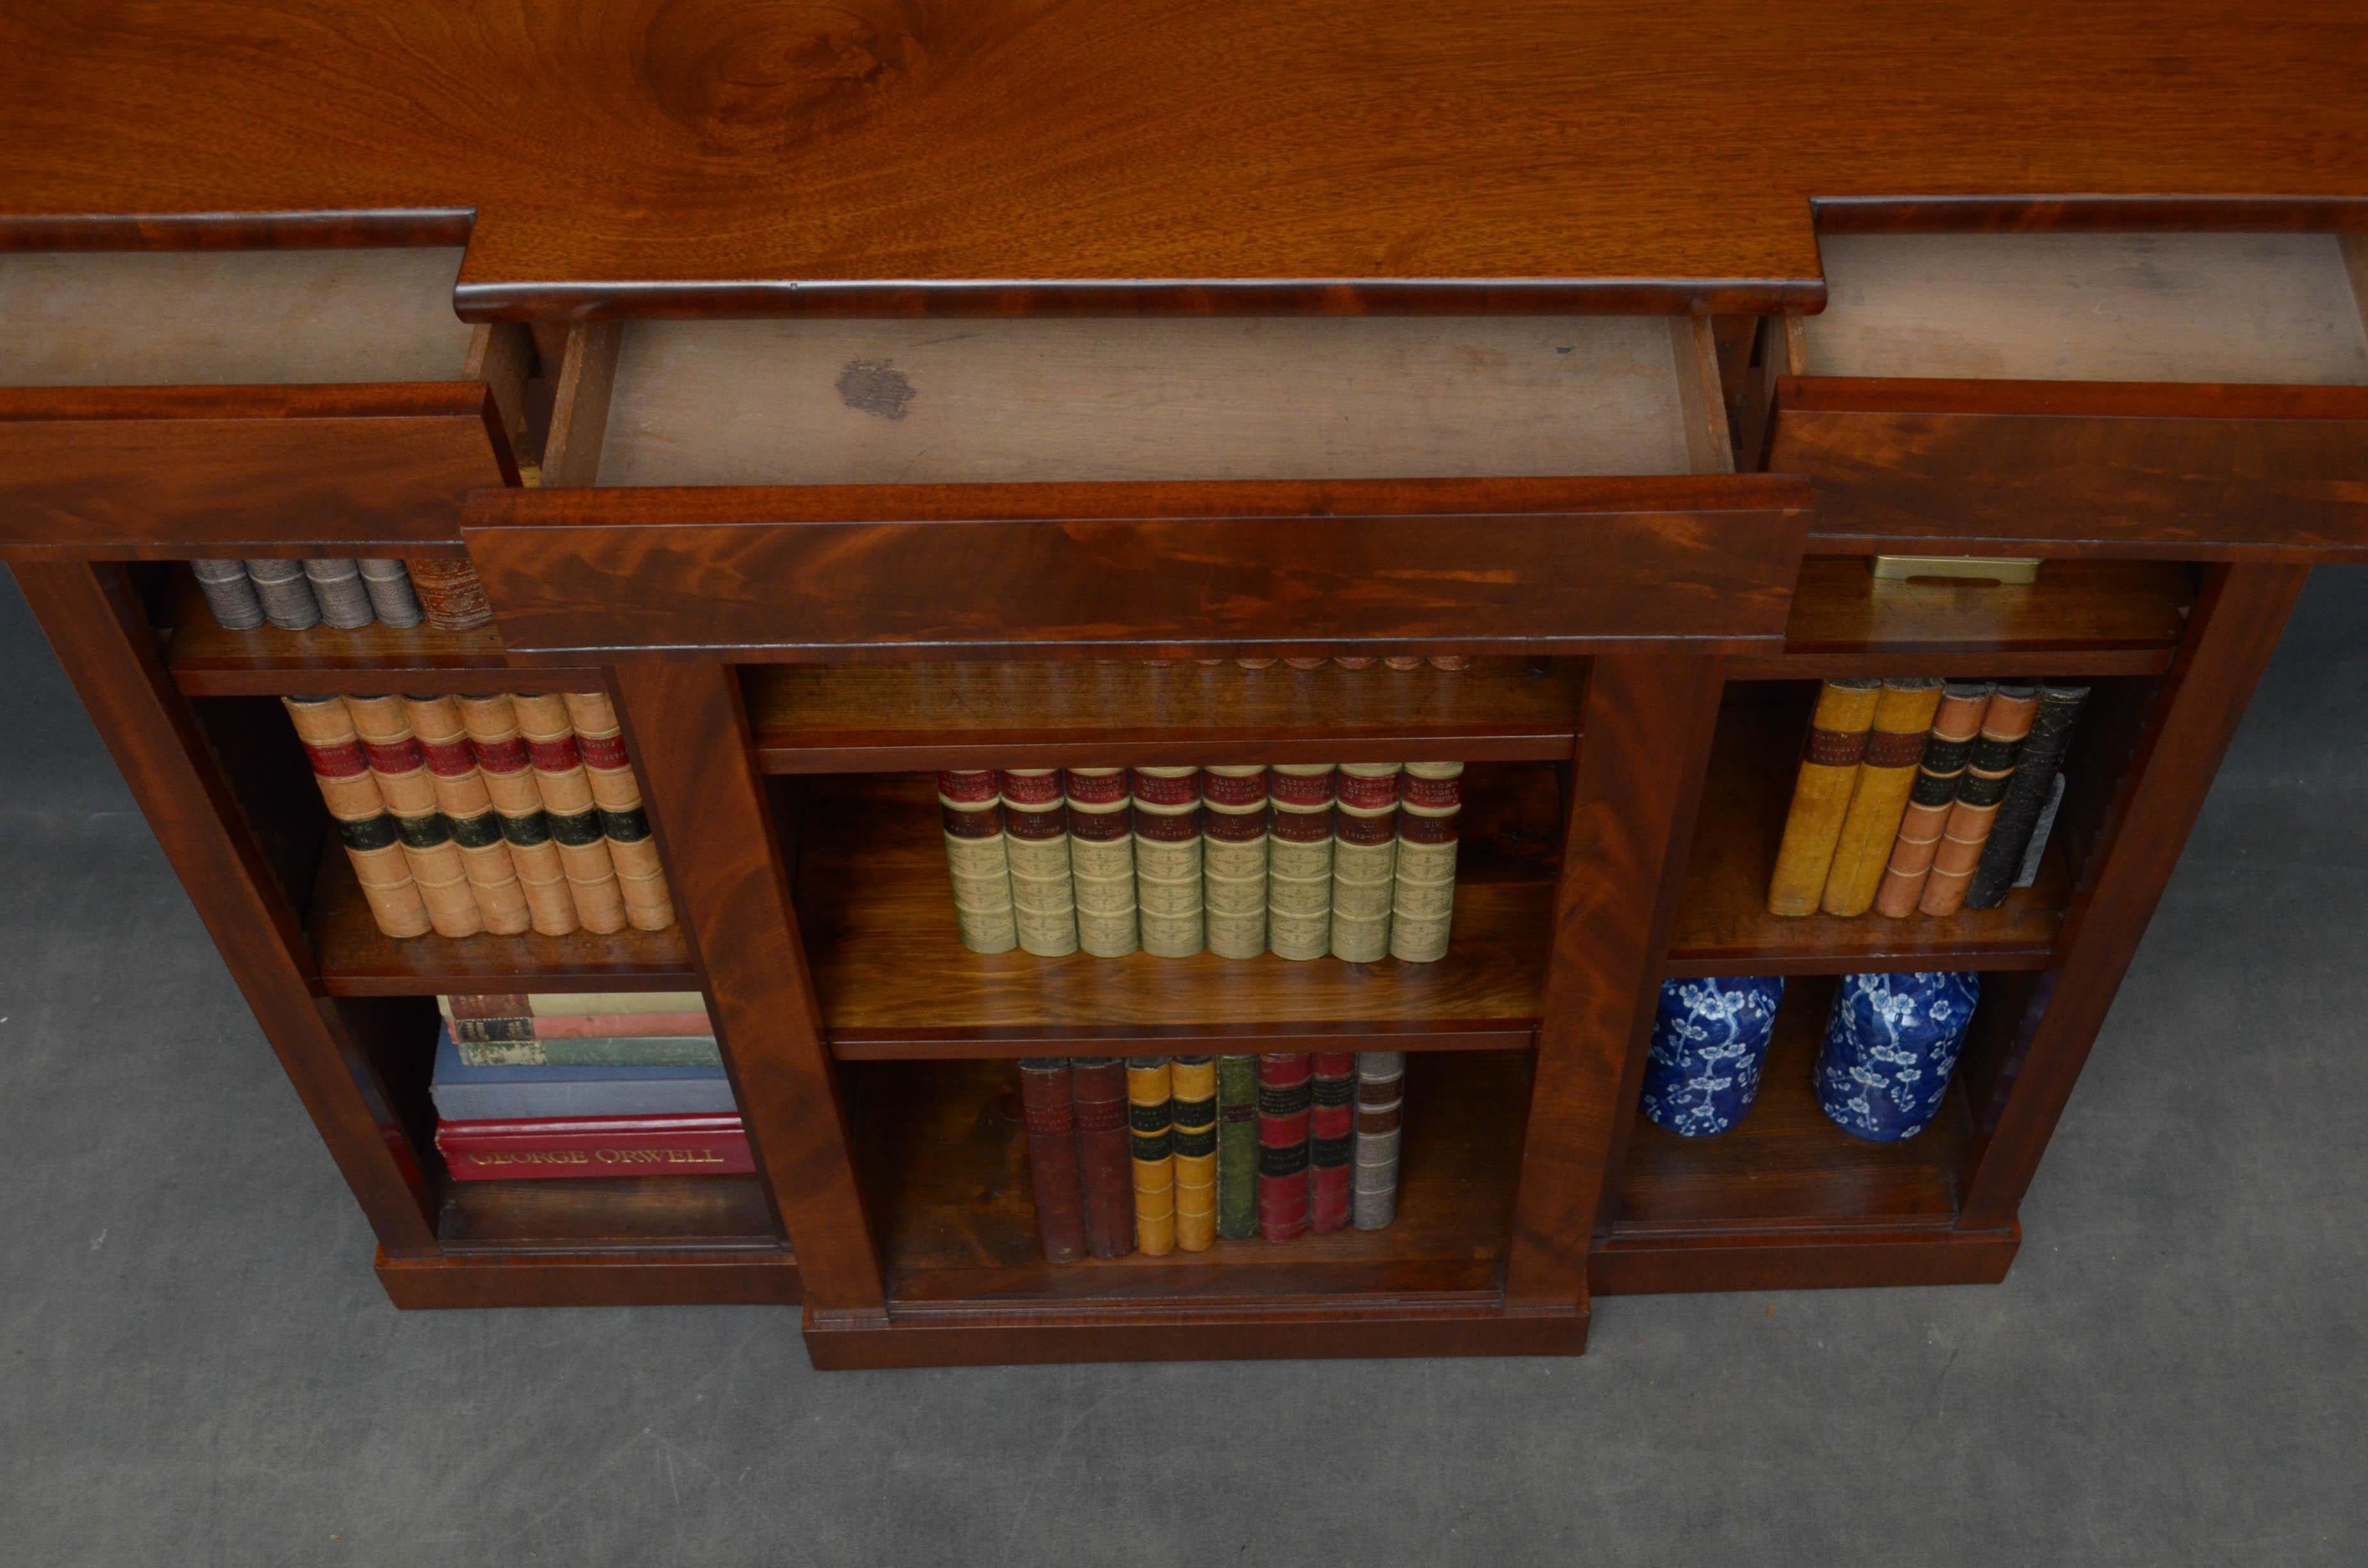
{"type": "Point", "coordinates": [2080, 617]}
{"type": "Point", "coordinates": [1787, 1166]}
{"type": "Point", "coordinates": [893, 981]}
{"type": "Point", "coordinates": [207, 661]}
{"type": "Point", "coordinates": [358, 960]}
{"type": "Point", "coordinates": [1723, 924]}
{"type": "Point", "coordinates": [637, 1213]}
{"type": "Point", "coordinates": [856, 718]}
{"type": "Point", "coordinates": [939, 1149]}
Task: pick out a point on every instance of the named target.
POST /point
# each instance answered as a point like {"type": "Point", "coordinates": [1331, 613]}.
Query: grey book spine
{"type": "Point", "coordinates": [1380, 1106]}
{"type": "Point", "coordinates": [2026, 795]}
{"type": "Point", "coordinates": [230, 593]}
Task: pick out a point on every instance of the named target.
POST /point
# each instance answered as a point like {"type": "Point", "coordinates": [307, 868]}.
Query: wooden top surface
{"type": "Point", "coordinates": [917, 156]}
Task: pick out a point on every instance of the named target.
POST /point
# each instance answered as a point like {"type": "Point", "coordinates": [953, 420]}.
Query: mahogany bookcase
{"type": "Point", "coordinates": [1650, 549]}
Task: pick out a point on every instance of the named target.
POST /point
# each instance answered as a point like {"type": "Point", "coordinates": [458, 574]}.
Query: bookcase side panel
{"type": "Point", "coordinates": [708, 803]}
{"type": "Point", "coordinates": [94, 621]}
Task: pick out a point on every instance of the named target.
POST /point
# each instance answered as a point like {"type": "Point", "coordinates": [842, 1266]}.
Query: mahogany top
{"type": "Point", "coordinates": [990, 156]}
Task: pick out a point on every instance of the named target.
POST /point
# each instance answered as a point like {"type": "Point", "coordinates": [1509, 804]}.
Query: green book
{"type": "Point", "coordinates": [1237, 1147]}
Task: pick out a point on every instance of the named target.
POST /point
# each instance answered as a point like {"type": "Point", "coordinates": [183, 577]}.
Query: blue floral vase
{"type": "Point", "coordinates": [1709, 1042]}
{"type": "Point", "coordinates": [1890, 1047]}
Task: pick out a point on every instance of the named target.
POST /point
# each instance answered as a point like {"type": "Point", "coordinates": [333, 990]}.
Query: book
{"type": "Point", "coordinates": [1237, 1147]}
{"type": "Point", "coordinates": [287, 596]}
{"type": "Point", "coordinates": [1285, 1095]}
{"type": "Point", "coordinates": [530, 1030]}
{"type": "Point", "coordinates": [617, 798]}
{"type": "Point", "coordinates": [1886, 772]}
{"type": "Point", "coordinates": [365, 827]}
{"type": "Point", "coordinates": [568, 806]}
{"type": "Point", "coordinates": [1105, 1160]}
{"type": "Point", "coordinates": [2004, 724]}
{"type": "Point", "coordinates": [978, 859]}
{"type": "Point", "coordinates": [1193, 1135]}
{"type": "Point", "coordinates": [1036, 839]}
{"type": "Point", "coordinates": [1151, 1114]}
{"type": "Point", "coordinates": [337, 590]}
{"type": "Point", "coordinates": [230, 593]}
{"type": "Point", "coordinates": [1821, 792]}
{"type": "Point", "coordinates": [544, 1150]}
{"type": "Point", "coordinates": [2035, 783]}
{"type": "Point", "coordinates": [1380, 1100]}
{"type": "Point", "coordinates": [1052, 1125]}
{"type": "Point", "coordinates": [1365, 859]}
{"type": "Point", "coordinates": [1234, 859]}
{"type": "Point", "coordinates": [388, 584]}
{"type": "Point", "coordinates": [1422, 895]}
{"type": "Point", "coordinates": [1955, 724]}
{"type": "Point", "coordinates": [1301, 841]}
{"type": "Point", "coordinates": [465, 1091]}
{"type": "Point", "coordinates": [399, 766]}
{"type": "Point", "coordinates": [1168, 866]}
{"type": "Point", "coordinates": [1331, 1139]}
{"type": "Point", "coordinates": [508, 775]}
{"type": "Point", "coordinates": [450, 593]}
{"type": "Point", "coordinates": [460, 790]}
{"type": "Point", "coordinates": [1101, 859]}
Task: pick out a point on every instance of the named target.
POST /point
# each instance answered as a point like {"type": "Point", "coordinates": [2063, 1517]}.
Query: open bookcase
{"type": "Point", "coordinates": [1648, 539]}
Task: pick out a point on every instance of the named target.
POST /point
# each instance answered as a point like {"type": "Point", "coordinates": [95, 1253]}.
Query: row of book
{"type": "Point", "coordinates": [1355, 860]}
{"type": "Point", "coordinates": [342, 593]}
{"type": "Point", "coordinates": [1158, 1154]}
{"type": "Point", "coordinates": [545, 1087]}
{"type": "Point", "coordinates": [499, 813]}
{"type": "Point", "coordinates": [1921, 796]}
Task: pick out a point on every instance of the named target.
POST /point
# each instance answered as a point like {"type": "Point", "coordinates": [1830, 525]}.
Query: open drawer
{"type": "Point", "coordinates": [831, 489]}
{"type": "Point", "coordinates": [2194, 396]}
{"type": "Point", "coordinates": [228, 402]}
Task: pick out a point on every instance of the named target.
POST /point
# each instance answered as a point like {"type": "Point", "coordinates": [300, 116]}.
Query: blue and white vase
{"type": "Point", "coordinates": [1709, 1043]}
{"type": "Point", "coordinates": [1890, 1047]}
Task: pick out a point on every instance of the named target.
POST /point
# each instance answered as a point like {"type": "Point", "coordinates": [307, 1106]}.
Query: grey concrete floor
{"type": "Point", "coordinates": [196, 1367]}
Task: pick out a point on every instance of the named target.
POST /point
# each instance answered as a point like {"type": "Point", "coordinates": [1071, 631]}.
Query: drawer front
{"type": "Point", "coordinates": [2209, 471]}
{"type": "Point", "coordinates": [958, 571]}
{"type": "Point", "coordinates": [179, 470]}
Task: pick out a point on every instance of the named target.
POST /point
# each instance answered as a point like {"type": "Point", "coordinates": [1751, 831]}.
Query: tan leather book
{"type": "Point", "coordinates": [1946, 750]}
{"type": "Point", "coordinates": [1821, 794]}
{"type": "Point", "coordinates": [2005, 722]}
{"type": "Point", "coordinates": [1903, 718]}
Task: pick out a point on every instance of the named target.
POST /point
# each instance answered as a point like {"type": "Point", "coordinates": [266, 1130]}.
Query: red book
{"type": "Point", "coordinates": [594, 1146]}
{"type": "Point", "coordinates": [1105, 1159]}
{"type": "Point", "coordinates": [1283, 1095]}
{"type": "Point", "coordinates": [1331, 1138]}
{"type": "Point", "coordinates": [1052, 1156]}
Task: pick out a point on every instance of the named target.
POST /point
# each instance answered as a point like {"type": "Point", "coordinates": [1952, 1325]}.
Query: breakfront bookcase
{"type": "Point", "coordinates": [828, 504]}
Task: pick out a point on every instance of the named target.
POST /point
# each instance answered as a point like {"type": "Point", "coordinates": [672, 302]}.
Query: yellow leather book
{"type": "Point", "coordinates": [1151, 1114]}
{"type": "Point", "coordinates": [1886, 771]}
{"type": "Point", "coordinates": [1821, 794]}
{"type": "Point", "coordinates": [1194, 1080]}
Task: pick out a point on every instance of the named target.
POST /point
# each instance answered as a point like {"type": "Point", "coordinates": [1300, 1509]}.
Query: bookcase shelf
{"type": "Point", "coordinates": [893, 981]}
{"type": "Point", "coordinates": [859, 718]}
{"type": "Point", "coordinates": [939, 1149]}
{"type": "Point", "coordinates": [355, 959]}
{"type": "Point", "coordinates": [1723, 924]}
{"type": "Point", "coordinates": [2079, 618]}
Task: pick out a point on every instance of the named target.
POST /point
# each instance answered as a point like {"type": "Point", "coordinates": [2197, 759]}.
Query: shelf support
{"type": "Point", "coordinates": [94, 621]}
{"type": "Point", "coordinates": [2235, 631]}
{"type": "Point", "coordinates": [688, 729]}
{"type": "Point", "coordinates": [1644, 747]}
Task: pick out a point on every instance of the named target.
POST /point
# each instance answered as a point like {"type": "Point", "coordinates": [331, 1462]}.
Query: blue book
{"type": "Point", "coordinates": [463, 1093]}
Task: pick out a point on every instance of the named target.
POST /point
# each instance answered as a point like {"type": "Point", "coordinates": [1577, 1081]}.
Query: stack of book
{"type": "Point", "coordinates": [497, 814]}
{"type": "Point", "coordinates": [1922, 796]}
{"type": "Point", "coordinates": [1303, 860]}
{"type": "Point", "coordinates": [584, 1084]}
{"type": "Point", "coordinates": [1158, 1154]}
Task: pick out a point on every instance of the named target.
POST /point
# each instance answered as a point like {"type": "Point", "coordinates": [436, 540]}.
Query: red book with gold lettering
{"type": "Point", "coordinates": [594, 1146]}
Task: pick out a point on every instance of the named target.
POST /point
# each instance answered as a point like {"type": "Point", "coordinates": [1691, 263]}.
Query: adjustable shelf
{"type": "Point", "coordinates": [893, 981]}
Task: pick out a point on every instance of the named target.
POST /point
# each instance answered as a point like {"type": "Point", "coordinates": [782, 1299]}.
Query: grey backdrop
{"type": "Point", "coordinates": [198, 1368]}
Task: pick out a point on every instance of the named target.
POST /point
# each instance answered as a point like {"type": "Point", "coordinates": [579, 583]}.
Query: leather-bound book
{"type": "Point", "coordinates": [388, 584]}
{"type": "Point", "coordinates": [451, 593]}
{"type": "Point", "coordinates": [617, 800]}
{"type": "Point", "coordinates": [1051, 1126]}
{"type": "Point", "coordinates": [1331, 1139]}
{"type": "Point", "coordinates": [2027, 795]}
{"type": "Point", "coordinates": [1821, 794]}
{"type": "Point", "coordinates": [1237, 1147]}
{"type": "Point", "coordinates": [1903, 718]}
{"type": "Point", "coordinates": [1955, 724]}
{"type": "Point", "coordinates": [507, 770]}
{"type": "Point", "coordinates": [400, 767]}
{"type": "Point", "coordinates": [460, 788]}
{"type": "Point", "coordinates": [230, 593]}
{"type": "Point", "coordinates": [2005, 722]}
{"type": "Point", "coordinates": [567, 803]}
{"type": "Point", "coordinates": [365, 827]}
{"type": "Point", "coordinates": [1151, 1122]}
{"type": "Point", "coordinates": [286, 593]}
{"type": "Point", "coordinates": [1194, 1084]}
{"type": "Point", "coordinates": [1105, 1158]}
{"type": "Point", "coordinates": [1380, 1100]}
{"type": "Point", "coordinates": [1285, 1095]}
{"type": "Point", "coordinates": [978, 859]}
